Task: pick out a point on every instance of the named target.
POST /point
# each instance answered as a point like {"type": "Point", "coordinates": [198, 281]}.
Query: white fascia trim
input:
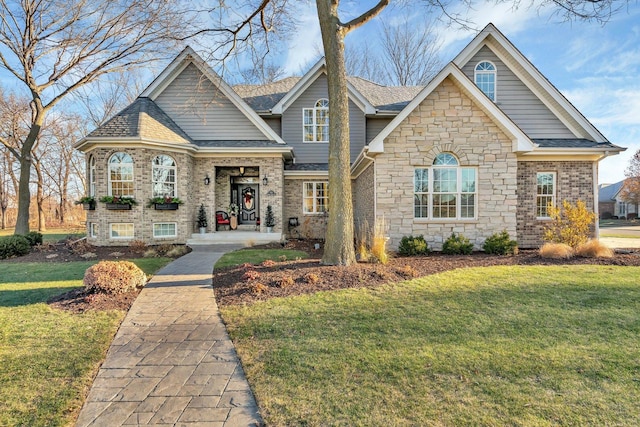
{"type": "Point", "coordinates": [299, 87]}
{"type": "Point", "coordinates": [303, 174]}
{"type": "Point", "coordinates": [361, 163]}
{"type": "Point", "coordinates": [178, 65]}
{"type": "Point", "coordinates": [520, 140]}
{"type": "Point", "coordinates": [563, 151]}
{"type": "Point", "coordinates": [308, 79]}
{"type": "Point", "coordinates": [134, 142]}
{"type": "Point", "coordinates": [497, 37]}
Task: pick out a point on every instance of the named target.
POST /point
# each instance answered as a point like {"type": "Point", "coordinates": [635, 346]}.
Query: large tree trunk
{"type": "Point", "coordinates": [24, 195]}
{"type": "Point", "coordinates": [340, 226]}
{"type": "Point", "coordinates": [42, 220]}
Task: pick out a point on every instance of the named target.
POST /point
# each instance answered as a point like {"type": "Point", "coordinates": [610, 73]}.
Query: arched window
{"type": "Point", "coordinates": [445, 190]}
{"type": "Point", "coordinates": [163, 176]}
{"type": "Point", "coordinates": [92, 176]}
{"type": "Point", "coordinates": [485, 77]}
{"type": "Point", "coordinates": [121, 175]}
{"type": "Point", "coordinates": [315, 122]}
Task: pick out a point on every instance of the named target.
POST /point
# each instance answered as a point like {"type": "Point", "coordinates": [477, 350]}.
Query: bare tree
{"type": "Point", "coordinates": [52, 48]}
{"type": "Point", "coordinates": [363, 61]}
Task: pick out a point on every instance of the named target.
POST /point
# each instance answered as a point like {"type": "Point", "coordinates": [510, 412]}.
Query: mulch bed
{"type": "Point", "coordinates": [239, 285]}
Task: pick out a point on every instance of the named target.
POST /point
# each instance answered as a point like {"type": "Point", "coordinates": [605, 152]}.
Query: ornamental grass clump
{"type": "Point", "coordinates": [556, 251]}
{"type": "Point", "coordinates": [113, 277]}
{"type": "Point", "coordinates": [594, 249]}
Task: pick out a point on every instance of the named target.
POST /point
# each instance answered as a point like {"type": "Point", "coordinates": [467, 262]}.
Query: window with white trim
{"type": "Point", "coordinates": [315, 197]}
{"type": "Point", "coordinates": [92, 176]}
{"type": "Point", "coordinates": [93, 229]}
{"type": "Point", "coordinates": [315, 122]}
{"type": "Point", "coordinates": [163, 176]}
{"type": "Point", "coordinates": [121, 175]}
{"type": "Point", "coordinates": [164, 229]}
{"type": "Point", "coordinates": [121, 230]}
{"type": "Point", "coordinates": [445, 190]}
{"type": "Point", "coordinates": [485, 78]}
{"type": "Point", "coordinates": [545, 193]}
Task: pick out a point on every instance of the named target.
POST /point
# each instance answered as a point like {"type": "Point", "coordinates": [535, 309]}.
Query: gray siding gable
{"type": "Point", "coordinates": [204, 112]}
{"type": "Point", "coordinates": [318, 152]}
{"type": "Point", "coordinates": [518, 101]}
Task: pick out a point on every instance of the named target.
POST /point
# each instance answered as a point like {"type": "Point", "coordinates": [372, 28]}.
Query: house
{"type": "Point", "coordinates": [484, 147]}
{"type": "Point", "coordinates": [610, 203]}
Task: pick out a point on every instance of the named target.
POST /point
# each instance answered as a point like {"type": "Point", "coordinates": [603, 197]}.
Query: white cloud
{"type": "Point", "coordinates": [305, 42]}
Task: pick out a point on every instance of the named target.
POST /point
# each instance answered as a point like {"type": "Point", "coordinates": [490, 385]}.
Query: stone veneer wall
{"type": "Point", "coordinates": [364, 200]}
{"type": "Point", "coordinates": [574, 181]}
{"type": "Point", "coordinates": [142, 217]}
{"type": "Point", "coordinates": [312, 226]}
{"type": "Point", "coordinates": [216, 195]}
{"type": "Point", "coordinates": [447, 121]}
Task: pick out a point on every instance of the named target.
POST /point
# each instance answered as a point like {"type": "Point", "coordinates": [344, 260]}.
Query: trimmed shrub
{"type": "Point", "coordinates": [13, 246]}
{"type": "Point", "coordinates": [457, 244]}
{"type": "Point", "coordinates": [311, 278]}
{"type": "Point", "coordinates": [556, 251]}
{"type": "Point", "coordinates": [34, 238]}
{"type": "Point", "coordinates": [594, 249]}
{"type": "Point", "coordinates": [570, 224]}
{"type": "Point", "coordinates": [284, 282]}
{"type": "Point", "coordinates": [412, 246]}
{"type": "Point", "coordinates": [500, 244]}
{"type": "Point", "coordinates": [113, 277]}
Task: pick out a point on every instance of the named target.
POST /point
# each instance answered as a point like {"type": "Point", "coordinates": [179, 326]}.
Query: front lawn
{"type": "Point", "coordinates": [48, 357]}
{"type": "Point", "coordinates": [508, 345]}
{"type": "Point", "coordinates": [256, 256]}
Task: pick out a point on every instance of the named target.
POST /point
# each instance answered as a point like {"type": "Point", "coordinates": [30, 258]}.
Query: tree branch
{"type": "Point", "coordinates": [365, 17]}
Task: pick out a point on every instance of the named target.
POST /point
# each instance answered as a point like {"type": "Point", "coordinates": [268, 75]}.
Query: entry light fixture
{"type": "Point", "coordinates": [241, 170]}
{"type": "Point", "coordinates": [207, 180]}
{"type": "Point", "coordinates": [265, 181]}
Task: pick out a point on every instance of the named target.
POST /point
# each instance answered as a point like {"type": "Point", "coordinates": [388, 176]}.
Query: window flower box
{"type": "Point", "coordinates": [88, 203]}
{"type": "Point", "coordinates": [166, 203]}
{"type": "Point", "coordinates": [118, 203]}
{"type": "Point", "coordinates": [166, 206]}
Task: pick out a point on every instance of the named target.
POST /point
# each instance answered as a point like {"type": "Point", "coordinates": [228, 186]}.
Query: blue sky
{"type": "Point", "coordinates": [595, 66]}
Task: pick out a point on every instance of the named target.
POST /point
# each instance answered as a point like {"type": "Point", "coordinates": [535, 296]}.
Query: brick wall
{"type": "Point", "coordinates": [190, 189]}
{"type": "Point", "coordinates": [574, 181]}
{"type": "Point", "coordinates": [312, 226]}
{"type": "Point", "coordinates": [447, 121]}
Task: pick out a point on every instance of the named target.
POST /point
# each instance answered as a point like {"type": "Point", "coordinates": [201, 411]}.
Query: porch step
{"type": "Point", "coordinates": [247, 238]}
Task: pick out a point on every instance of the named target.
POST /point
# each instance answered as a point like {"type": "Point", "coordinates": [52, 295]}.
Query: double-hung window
{"type": "Point", "coordinates": [485, 78]}
{"type": "Point", "coordinates": [121, 175]}
{"type": "Point", "coordinates": [545, 193]}
{"type": "Point", "coordinates": [163, 175]}
{"type": "Point", "coordinates": [445, 191]}
{"type": "Point", "coordinates": [315, 122]}
{"type": "Point", "coordinates": [315, 197]}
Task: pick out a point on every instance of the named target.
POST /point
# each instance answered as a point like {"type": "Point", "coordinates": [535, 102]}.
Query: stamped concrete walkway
{"type": "Point", "coordinates": [171, 362]}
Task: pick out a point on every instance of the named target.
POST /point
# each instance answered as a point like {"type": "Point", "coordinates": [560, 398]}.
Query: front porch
{"type": "Point", "coordinates": [243, 237]}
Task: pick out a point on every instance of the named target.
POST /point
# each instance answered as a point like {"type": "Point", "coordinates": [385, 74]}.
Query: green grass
{"type": "Point", "coordinates": [48, 357]}
{"type": "Point", "coordinates": [256, 256]}
{"type": "Point", "coordinates": [52, 235]}
{"type": "Point", "coordinates": [530, 346]}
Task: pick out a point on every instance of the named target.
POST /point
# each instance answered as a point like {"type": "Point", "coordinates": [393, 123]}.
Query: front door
{"type": "Point", "coordinates": [249, 209]}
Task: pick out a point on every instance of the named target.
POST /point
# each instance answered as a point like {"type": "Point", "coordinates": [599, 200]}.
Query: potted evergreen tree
{"type": "Point", "coordinates": [202, 220]}
{"type": "Point", "coordinates": [270, 221]}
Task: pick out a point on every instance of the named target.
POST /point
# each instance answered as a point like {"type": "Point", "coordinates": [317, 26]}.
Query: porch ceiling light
{"type": "Point", "coordinates": [265, 181]}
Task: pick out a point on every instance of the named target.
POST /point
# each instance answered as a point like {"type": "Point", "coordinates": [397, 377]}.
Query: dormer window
{"type": "Point", "coordinates": [485, 77]}
{"type": "Point", "coordinates": [315, 122]}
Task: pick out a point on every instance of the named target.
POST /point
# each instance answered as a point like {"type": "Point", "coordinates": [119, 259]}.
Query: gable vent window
{"type": "Point", "coordinates": [315, 122]}
{"type": "Point", "coordinates": [485, 77]}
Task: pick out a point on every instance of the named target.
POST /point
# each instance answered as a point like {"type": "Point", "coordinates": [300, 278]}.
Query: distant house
{"type": "Point", "coordinates": [484, 147]}
{"type": "Point", "coordinates": [610, 203]}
